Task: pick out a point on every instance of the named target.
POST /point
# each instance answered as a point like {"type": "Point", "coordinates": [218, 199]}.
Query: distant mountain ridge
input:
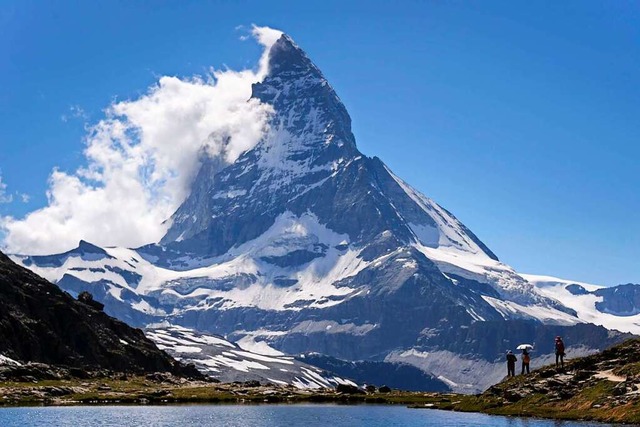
{"type": "Point", "coordinates": [310, 246]}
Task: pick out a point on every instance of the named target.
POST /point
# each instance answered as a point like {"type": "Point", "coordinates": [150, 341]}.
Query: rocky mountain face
{"type": "Point", "coordinates": [310, 246]}
{"type": "Point", "coordinates": [41, 323]}
{"type": "Point", "coordinates": [400, 376]}
{"type": "Point", "coordinates": [621, 300]}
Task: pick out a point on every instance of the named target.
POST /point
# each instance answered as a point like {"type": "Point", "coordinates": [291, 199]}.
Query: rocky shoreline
{"type": "Point", "coordinates": [104, 388]}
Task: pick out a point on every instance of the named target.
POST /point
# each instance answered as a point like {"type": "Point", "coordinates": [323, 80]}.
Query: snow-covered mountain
{"type": "Point", "coordinates": [614, 307]}
{"type": "Point", "coordinates": [308, 245]}
{"type": "Point", "coordinates": [228, 362]}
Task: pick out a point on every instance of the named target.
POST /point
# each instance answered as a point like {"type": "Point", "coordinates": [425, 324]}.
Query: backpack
{"type": "Point", "coordinates": [559, 347]}
{"type": "Point", "coordinates": [526, 358]}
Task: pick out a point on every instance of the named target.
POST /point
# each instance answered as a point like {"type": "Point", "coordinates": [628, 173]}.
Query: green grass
{"type": "Point", "coordinates": [139, 390]}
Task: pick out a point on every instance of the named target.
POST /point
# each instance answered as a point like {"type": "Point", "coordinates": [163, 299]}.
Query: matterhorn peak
{"type": "Point", "coordinates": [285, 56]}
{"type": "Point", "coordinates": [311, 124]}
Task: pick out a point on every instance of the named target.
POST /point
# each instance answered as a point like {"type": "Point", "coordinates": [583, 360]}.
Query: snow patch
{"type": "Point", "coordinates": [7, 361]}
{"type": "Point", "coordinates": [259, 347]}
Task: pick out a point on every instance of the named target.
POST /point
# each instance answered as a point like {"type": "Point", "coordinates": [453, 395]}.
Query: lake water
{"type": "Point", "coordinates": [259, 415]}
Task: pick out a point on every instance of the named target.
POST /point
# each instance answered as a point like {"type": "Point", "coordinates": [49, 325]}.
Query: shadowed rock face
{"type": "Point", "coordinates": [621, 300]}
{"type": "Point", "coordinates": [41, 323]}
{"type": "Point", "coordinates": [378, 373]}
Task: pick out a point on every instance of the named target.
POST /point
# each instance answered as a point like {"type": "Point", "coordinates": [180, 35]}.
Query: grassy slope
{"type": "Point", "coordinates": [601, 387]}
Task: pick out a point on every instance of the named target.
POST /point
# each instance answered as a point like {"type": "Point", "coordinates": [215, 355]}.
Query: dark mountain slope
{"type": "Point", "coordinates": [41, 323]}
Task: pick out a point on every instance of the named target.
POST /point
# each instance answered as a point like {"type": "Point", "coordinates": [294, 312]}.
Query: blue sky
{"type": "Point", "coordinates": [521, 118]}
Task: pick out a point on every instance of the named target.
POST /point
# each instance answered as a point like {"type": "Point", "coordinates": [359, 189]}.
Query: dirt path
{"type": "Point", "coordinates": [608, 375]}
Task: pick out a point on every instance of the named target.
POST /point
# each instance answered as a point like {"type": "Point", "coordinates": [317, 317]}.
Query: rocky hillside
{"type": "Point", "coordinates": [603, 387]}
{"type": "Point", "coordinates": [41, 323]}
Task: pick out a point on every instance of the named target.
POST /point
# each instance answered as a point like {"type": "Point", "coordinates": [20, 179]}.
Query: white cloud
{"type": "Point", "coordinates": [267, 37]}
{"type": "Point", "coordinates": [75, 112]}
{"type": "Point", "coordinates": [141, 158]}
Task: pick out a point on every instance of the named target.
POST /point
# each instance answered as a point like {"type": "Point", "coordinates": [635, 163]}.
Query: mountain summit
{"type": "Point", "coordinates": [307, 245]}
{"type": "Point", "coordinates": [308, 162]}
{"type": "Point", "coordinates": [309, 139]}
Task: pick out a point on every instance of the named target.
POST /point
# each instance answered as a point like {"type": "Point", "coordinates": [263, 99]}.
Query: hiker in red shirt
{"type": "Point", "coordinates": [559, 352]}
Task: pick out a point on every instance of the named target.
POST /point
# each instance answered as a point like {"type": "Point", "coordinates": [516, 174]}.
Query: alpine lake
{"type": "Point", "coordinates": [307, 415]}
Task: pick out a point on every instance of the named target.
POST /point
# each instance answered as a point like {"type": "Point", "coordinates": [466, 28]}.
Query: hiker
{"type": "Point", "coordinates": [559, 352]}
{"type": "Point", "coordinates": [511, 364]}
{"type": "Point", "coordinates": [526, 359]}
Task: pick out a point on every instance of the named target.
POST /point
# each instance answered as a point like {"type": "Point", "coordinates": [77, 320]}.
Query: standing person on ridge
{"type": "Point", "coordinates": [559, 352]}
{"type": "Point", "coordinates": [526, 359]}
{"type": "Point", "coordinates": [511, 364]}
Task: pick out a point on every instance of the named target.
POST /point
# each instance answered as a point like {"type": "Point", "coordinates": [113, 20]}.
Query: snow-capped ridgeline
{"type": "Point", "coordinates": [456, 250]}
{"type": "Point", "coordinates": [249, 275]}
{"type": "Point", "coordinates": [254, 274]}
{"type": "Point", "coordinates": [616, 307]}
{"type": "Point", "coordinates": [229, 362]}
{"type": "Point", "coordinates": [445, 232]}
{"type": "Point", "coordinates": [122, 269]}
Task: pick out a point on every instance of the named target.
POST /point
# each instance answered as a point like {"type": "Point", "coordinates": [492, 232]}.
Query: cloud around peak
{"type": "Point", "coordinates": [141, 158]}
{"type": "Point", "coordinates": [266, 36]}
